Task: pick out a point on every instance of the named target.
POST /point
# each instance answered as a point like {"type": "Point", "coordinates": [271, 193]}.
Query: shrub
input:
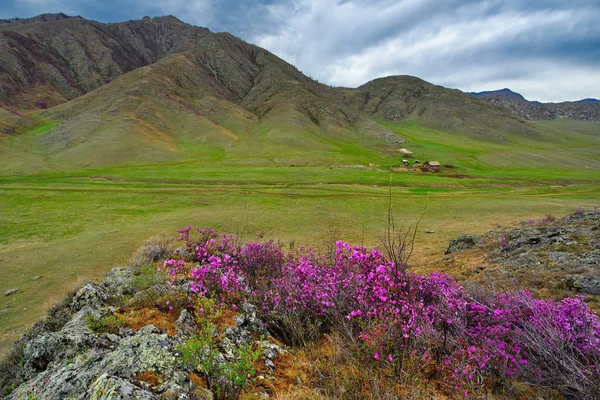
{"type": "Point", "coordinates": [394, 318]}
{"type": "Point", "coordinates": [154, 249]}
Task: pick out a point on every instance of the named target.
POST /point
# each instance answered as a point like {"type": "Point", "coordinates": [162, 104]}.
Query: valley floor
{"type": "Point", "coordinates": [72, 226]}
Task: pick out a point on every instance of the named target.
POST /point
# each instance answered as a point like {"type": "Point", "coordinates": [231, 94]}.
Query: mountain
{"type": "Point", "coordinates": [502, 92]}
{"type": "Point", "coordinates": [585, 110]}
{"type": "Point", "coordinates": [404, 97]}
{"type": "Point", "coordinates": [53, 58]}
{"type": "Point", "coordinates": [160, 90]}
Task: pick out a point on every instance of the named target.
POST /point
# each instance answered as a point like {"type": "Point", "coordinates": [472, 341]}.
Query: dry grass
{"type": "Point", "coordinates": [149, 377]}
{"type": "Point", "coordinates": [136, 319]}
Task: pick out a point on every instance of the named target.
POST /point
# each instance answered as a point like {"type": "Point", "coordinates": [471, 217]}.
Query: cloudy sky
{"type": "Point", "coordinates": [545, 49]}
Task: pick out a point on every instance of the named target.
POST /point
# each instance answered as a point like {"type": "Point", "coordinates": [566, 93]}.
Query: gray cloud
{"type": "Point", "coordinates": [548, 51]}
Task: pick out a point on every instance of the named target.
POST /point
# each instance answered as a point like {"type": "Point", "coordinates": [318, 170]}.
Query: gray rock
{"type": "Point", "coordinates": [186, 324]}
{"type": "Point", "coordinates": [89, 295]}
{"type": "Point", "coordinates": [234, 337]}
{"type": "Point", "coordinates": [584, 284]}
{"type": "Point", "coordinates": [35, 278]}
{"type": "Point", "coordinates": [463, 242]}
{"type": "Point", "coordinates": [111, 387]}
{"type": "Point", "coordinates": [249, 319]}
{"type": "Point", "coordinates": [119, 281]}
{"type": "Point", "coordinates": [11, 291]}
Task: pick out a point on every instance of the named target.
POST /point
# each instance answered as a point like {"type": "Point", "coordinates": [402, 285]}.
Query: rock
{"type": "Point", "coordinates": [249, 319]}
{"type": "Point", "coordinates": [111, 387]}
{"type": "Point", "coordinates": [118, 281]}
{"type": "Point", "coordinates": [11, 291]}
{"type": "Point", "coordinates": [35, 278]}
{"type": "Point", "coordinates": [463, 242]}
{"type": "Point", "coordinates": [234, 337]}
{"type": "Point", "coordinates": [74, 338]}
{"type": "Point", "coordinates": [186, 324]}
{"type": "Point", "coordinates": [584, 284]}
{"type": "Point", "coordinates": [89, 295]}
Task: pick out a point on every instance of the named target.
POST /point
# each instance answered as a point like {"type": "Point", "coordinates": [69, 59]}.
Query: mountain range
{"type": "Point", "coordinates": [585, 109]}
{"type": "Point", "coordinates": [158, 88]}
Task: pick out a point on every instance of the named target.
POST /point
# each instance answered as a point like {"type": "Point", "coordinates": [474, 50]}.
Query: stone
{"type": "Point", "coordinates": [89, 295]}
{"type": "Point", "coordinates": [35, 278]}
{"type": "Point", "coordinates": [463, 242]}
{"type": "Point", "coordinates": [584, 284]}
{"type": "Point", "coordinates": [111, 387]}
{"type": "Point", "coordinates": [11, 291]}
{"type": "Point", "coordinates": [186, 324]}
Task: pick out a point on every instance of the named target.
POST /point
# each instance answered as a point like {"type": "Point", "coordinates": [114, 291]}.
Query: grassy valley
{"type": "Point", "coordinates": [73, 225]}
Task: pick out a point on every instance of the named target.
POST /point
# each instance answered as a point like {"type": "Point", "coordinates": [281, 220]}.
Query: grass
{"type": "Point", "coordinates": [69, 225]}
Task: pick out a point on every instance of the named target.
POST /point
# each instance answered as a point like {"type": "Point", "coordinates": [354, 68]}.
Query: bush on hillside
{"type": "Point", "coordinates": [393, 318]}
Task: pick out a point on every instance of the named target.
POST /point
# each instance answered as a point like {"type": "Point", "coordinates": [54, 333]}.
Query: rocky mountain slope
{"type": "Point", "coordinates": [52, 58]}
{"type": "Point", "coordinates": [404, 97]}
{"type": "Point", "coordinates": [148, 90]}
{"type": "Point", "coordinates": [583, 110]}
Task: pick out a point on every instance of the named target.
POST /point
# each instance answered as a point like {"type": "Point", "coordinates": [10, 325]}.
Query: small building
{"type": "Point", "coordinates": [417, 161]}
{"type": "Point", "coordinates": [432, 165]}
{"type": "Point", "coordinates": [405, 162]}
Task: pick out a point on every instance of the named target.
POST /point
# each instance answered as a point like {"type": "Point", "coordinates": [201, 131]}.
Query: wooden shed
{"type": "Point", "coordinates": [432, 165]}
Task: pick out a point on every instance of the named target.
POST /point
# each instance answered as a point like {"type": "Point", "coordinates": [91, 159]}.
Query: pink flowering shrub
{"type": "Point", "coordinates": [394, 317]}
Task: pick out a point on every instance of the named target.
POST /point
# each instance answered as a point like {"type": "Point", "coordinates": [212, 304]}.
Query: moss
{"type": "Point", "coordinates": [107, 324]}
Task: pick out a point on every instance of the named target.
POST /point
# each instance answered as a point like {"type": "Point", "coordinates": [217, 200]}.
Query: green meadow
{"type": "Point", "coordinates": [70, 225]}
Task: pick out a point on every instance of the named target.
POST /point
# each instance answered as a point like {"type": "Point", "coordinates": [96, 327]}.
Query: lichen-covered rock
{"type": "Point", "coordinates": [463, 242]}
{"type": "Point", "coordinates": [74, 338]}
{"type": "Point", "coordinates": [249, 319]}
{"type": "Point", "coordinates": [148, 350]}
{"type": "Point", "coordinates": [234, 337]}
{"type": "Point", "coordinates": [90, 295]}
{"type": "Point", "coordinates": [186, 324]}
{"type": "Point", "coordinates": [111, 387]}
{"type": "Point", "coordinates": [119, 281]}
{"type": "Point", "coordinates": [584, 284]}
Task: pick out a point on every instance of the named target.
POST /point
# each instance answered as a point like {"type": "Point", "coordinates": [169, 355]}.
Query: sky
{"type": "Point", "coordinates": [546, 50]}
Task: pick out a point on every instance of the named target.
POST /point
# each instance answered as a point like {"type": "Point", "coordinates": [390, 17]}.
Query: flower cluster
{"type": "Point", "coordinates": [389, 314]}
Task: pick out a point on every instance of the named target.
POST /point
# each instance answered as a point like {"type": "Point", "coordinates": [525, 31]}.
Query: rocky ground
{"type": "Point", "coordinates": [556, 257]}
{"type": "Point", "coordinates": [65, 356]}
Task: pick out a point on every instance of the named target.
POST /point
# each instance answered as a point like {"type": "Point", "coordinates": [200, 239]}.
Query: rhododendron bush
{"type": "Point", "coordinates": [392, 317]}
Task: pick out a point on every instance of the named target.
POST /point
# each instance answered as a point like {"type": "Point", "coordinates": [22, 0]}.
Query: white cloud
{"type": "Point", "coordinates": [462, 45]}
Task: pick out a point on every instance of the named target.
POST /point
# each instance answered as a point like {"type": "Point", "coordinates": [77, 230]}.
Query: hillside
{"type": "Point", "coordinates": [53, 58]}
{"type": "Point", "coordinates": [160, 90]}
{"type": "Point", "coordinates": [502, 92]}
{"type": "Point", "coordinates": [402, 97]}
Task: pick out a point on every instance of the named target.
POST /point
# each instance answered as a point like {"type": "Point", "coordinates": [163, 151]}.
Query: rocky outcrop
{"type": "Point", "coordinates": [463, 242]}
{"type": "Point", "coordinates": [559, 256]}
{"type": "Point", "coordinates": [63, 357]}
{"type": "Point", "coordinates": [576, 110]}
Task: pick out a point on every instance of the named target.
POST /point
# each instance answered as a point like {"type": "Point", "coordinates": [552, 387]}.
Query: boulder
{"type": "Point", "coordinates": [463, 242]}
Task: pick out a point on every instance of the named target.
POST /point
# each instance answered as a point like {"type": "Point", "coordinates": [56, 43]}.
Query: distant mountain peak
{"type": "Point", "coordinates": [588, 100]}
{"type": "Point", "coordinates": [506, 92]}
